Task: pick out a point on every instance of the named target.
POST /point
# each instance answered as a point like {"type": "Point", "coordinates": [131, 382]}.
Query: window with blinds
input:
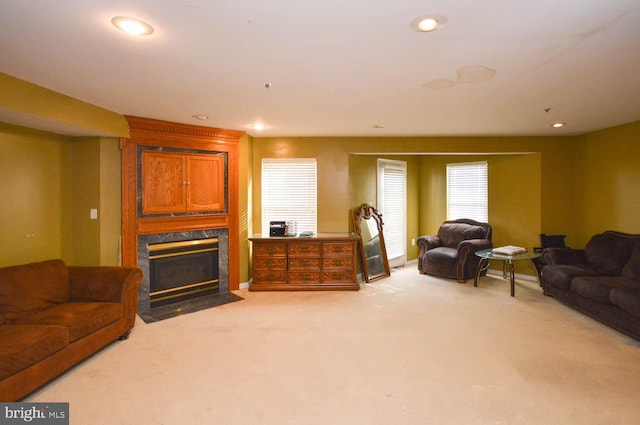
{"type": "Point", "coordinates": [392, 189]}
{"type": "Point", "coordinates": [289, 192]}
{"type": "Point", "coordinates": [468, 191]}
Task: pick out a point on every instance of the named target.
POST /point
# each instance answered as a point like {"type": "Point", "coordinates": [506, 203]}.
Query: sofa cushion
{"type": "Point", "coordinates": [29, 288]}
{"type": "Point", "coordinates": [609, 252]}
{"type": "Point", "coordinates": [451, 234]}
{"type": "Point", "coordinates": [627, 299]}
{"type": "Point", "coordinates": [560, 275]}
{"type": "Point", "coordinates": [24, 345]}
{"type": "Point", "coordinates": [80, 318]}
{"type": "Point", "coordinates": [596, 288]}
{"type": "Point", "coordinates": [632, 268]}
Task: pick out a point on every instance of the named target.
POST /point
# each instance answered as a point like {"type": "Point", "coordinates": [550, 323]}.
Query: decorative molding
{"type": "Point", "coordinates": [165, 127]}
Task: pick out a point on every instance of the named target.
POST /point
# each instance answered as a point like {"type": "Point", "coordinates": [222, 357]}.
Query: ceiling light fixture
{"type": "Point", "coordinates": [259, 127]}
{"type": "Point", "coordinates": [131, 25]}
{"type": "Point", "coordinates": [200, 117]}
{"type": "Point", "coordinates": [427, 23]}
{"type": "Point", "coordinates": [558, 124]}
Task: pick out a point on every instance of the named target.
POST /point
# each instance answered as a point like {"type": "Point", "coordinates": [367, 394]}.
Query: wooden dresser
{"type": "Point", "coordinates": [323, 262]}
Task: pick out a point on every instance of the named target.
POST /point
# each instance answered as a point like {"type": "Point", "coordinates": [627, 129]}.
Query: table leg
{"type": "Point", "coordinates": [513, 278]}
{"type": "Point", "coordinates": [481, 265]}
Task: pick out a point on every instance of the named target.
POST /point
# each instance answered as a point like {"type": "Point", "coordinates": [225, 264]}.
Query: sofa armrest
{"type": "Point", "coordinates": [107, 284]}
{"type": "Point", "coordinates": [103, 283]}
{"type": "Point", "coordinates": [563, 256]}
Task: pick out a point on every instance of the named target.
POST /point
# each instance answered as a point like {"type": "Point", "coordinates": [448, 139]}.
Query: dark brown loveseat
{"type": "Point", "coordinates": [451, 253]}
{"type": "Point", "coordinates": [53, 316]}
{"type": "Point", "coordinates": [602, 280]}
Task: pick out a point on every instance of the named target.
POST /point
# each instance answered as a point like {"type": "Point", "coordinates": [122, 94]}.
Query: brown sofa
{"type": "Point", "coordinates": [602, 280]}
{"type": "Point", "coordinates": [53, 316]}
{"type": "Point", "coordinates": [451, 253]}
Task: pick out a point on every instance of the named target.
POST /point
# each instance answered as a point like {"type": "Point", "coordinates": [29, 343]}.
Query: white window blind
{"type": "Point", "coordinates": [468, 191]}
{"type": "Point", "coordinates": [289, 192]}
{"type": "Point", "coordinates": [392, 190]}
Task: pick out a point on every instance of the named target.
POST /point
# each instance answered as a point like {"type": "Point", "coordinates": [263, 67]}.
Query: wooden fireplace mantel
{"type": "Point", "coordinates": [161, 137]}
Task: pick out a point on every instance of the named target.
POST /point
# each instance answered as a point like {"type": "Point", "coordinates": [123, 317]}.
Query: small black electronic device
{"type": "Point", "coordinates": [306, 234]}
{"type": "Point", "coordinates": [277, 228]}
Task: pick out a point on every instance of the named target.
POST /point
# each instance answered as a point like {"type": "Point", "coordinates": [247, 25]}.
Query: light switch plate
{"type": "Point", "coordinates": [93, 214]}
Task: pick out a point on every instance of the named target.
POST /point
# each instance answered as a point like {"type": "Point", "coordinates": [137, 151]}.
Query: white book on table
{"type": "Point", "coordinates": [509, 250]}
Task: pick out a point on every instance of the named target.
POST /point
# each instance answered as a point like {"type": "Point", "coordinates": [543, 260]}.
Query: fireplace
{"type": "Point", "coordinates": [150, 307]}
{"type": "Point", "coordinates": [182, 270]}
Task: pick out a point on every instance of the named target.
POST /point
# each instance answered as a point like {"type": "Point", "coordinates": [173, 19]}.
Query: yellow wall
{"type": "Point", "coordinates": [52, 108]}
{"type": "Point", "coordinates": [50, 183]}
{"type": "Point", "coordinates": [33, 185]}
{"type": "Point", "coordinates": [363, 185]}
{"type": "Point", "coordinates": [576, 186]}
{"type": "Point", "coordinates": [514, 196]}
{"type": "Point", "coordinates": [524, 173]}
{"type": "Point", "coordinates": [245, 204]}
{"type": "Point", "coordinates": [608, 182]}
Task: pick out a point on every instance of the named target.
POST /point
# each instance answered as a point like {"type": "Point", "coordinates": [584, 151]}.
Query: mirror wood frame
{"type": "Point", "coordinates": [368, 212]}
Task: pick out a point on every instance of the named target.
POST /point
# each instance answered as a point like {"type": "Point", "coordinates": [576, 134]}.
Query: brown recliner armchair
{"type": "Point", "coordinates": [451, 253]}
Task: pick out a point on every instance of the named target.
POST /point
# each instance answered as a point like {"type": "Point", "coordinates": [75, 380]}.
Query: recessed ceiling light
{"type": "Point", "coordinates": [259, 126]}
{"type": "Point", "coordinates": [200, 117]}
{"type": "Point", "coordinates": [427, 23]}
{"type": "Point", "coordinates": [558, 124]}
{"type": "Point", "coordinates": [131, 25]}
{"type": "Point", "coordinates": [379, 126]}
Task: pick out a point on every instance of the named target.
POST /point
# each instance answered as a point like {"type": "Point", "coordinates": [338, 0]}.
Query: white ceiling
{"type": "Point", "coordinates": [338, 67]}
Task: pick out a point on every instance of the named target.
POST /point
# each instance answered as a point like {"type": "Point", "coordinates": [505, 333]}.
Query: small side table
{"type": "Point", "coordinates": [508, 260]}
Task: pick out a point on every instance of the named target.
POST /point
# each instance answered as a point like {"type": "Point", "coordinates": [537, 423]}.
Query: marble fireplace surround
{"type": "Point", "coordinates": [144, 304]}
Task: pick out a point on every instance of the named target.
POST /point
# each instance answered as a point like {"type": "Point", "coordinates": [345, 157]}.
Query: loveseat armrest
{"type": "Point", "coordinates": [563, 256]}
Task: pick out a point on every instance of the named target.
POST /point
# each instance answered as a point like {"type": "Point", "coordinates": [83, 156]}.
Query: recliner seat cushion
{"type": "Point", "coordinates": [442, 255]}
{"type": "Point", "coordinates": [560, 275]}
{"type": "Point", "coordinates": [29, 288]}
{"type": "Point", "coordinates": [25, 345]}
{"type": "Point", "coordinates": [451, 234]}
{"type": "Point", "coordinates": [609, 253]}
{"type": "Point", "coordinates": [81, 318]}
{"type": "Point", "coordinates": [627, 299]}
{"type": "Point", "coordinates": [596, 288]}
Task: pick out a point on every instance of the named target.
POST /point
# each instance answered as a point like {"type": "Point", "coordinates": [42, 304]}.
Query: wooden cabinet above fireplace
{"type": "Point", "coordinates": [179, 178]}
{"type": "Point", "coordinates": [180, 183]}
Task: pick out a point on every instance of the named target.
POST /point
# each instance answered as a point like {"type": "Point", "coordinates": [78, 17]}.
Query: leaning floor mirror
{"type": "Point", "coordinates": [367, 224]}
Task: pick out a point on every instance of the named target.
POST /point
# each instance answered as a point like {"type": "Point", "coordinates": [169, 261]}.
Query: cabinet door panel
{"type": "Point", "coordinates": [206, 182]}
{"type": "Point", "coordinates": [163, 178]}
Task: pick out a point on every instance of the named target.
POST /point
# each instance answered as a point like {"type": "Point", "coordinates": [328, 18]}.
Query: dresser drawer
{"type": "Point", "coordinates": [270, 249]}
{"type": "Point", "coordinates": [269, 276]}
{"type": "Point", "coordinates": [338, 248]}
{"type": "Point", "coordinates": [337, 263]}
{"type": "Point", "coordinates": [304, 277]}
{"type": "Point", "coordinates": [308, 249]}
{"type": "Point", "coordinates": [269, 263]}
{"type": "Point", "coordinates": [311, 264]}
{"type": "Point", "coordinates": [338, 276]}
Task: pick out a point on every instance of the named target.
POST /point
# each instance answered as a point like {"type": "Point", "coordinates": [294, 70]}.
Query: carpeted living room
{"type": "Point", "coordinates": [285, 212]}
{"type": "Point", "coordinates": [409, 349]}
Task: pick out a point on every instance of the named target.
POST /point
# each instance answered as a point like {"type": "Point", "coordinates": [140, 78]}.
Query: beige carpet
{"type": "Point", "coordinates": [409, 349]}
